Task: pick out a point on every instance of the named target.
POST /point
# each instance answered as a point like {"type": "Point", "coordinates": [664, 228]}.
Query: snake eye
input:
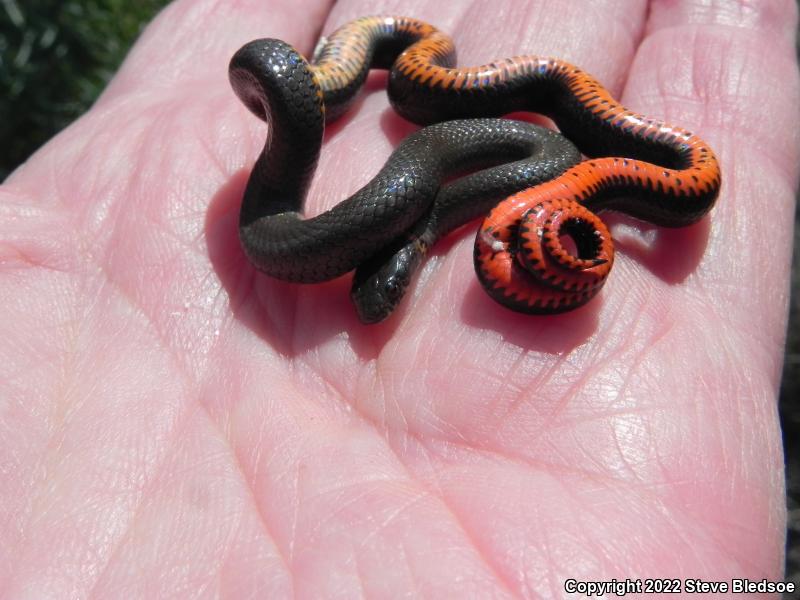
{"type": "Point", "coordinates": [393, 289]}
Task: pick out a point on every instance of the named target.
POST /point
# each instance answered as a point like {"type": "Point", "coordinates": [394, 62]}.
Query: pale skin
{"type": "Point", "coordinates": [175, 424]}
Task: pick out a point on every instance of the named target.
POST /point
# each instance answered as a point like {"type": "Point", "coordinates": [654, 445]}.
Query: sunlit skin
{"type": "Point", "coordinates": [174, 423]}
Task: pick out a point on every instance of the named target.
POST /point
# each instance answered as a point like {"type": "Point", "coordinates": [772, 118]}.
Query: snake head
{"type": "Point", "coordinates": [381, 282]}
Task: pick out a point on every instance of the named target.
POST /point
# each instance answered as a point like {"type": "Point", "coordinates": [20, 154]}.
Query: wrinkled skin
{"type": "Point", "coordinates": [175, 424]}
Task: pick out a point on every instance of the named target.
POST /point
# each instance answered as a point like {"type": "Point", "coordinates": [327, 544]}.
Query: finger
{"type": "Point", "coordinates": [484, 31]}
{"type": "Point", "coordinates": [730, 74]}
{"type": "Point", "coordinates": [190, 43]}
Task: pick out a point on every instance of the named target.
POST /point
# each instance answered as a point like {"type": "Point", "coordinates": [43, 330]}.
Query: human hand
{"type": "Point", "coordinates": [175, 423]}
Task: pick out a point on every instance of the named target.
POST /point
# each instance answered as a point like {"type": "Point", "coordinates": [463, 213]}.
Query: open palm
{"type": "Point", "coordinates": [175, 423]}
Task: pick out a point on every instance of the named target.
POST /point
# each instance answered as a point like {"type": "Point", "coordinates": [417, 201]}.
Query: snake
{"type": "Point", "coordinates": [643, 167]}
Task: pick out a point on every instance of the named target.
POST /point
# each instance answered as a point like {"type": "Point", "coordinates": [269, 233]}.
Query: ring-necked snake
{"type": "Point", "coordinates": [663, 174]}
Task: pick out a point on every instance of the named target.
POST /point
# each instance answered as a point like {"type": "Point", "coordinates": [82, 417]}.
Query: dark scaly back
{"type": "Point", "coordinates": [273, 80]}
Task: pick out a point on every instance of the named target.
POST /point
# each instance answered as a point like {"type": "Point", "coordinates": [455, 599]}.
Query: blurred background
{"type": "Point", "coordinates": [55, 58]}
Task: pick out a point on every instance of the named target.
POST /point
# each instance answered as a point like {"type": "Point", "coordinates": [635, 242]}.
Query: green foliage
{"type": "Point", "coordinates": [55, 58]}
